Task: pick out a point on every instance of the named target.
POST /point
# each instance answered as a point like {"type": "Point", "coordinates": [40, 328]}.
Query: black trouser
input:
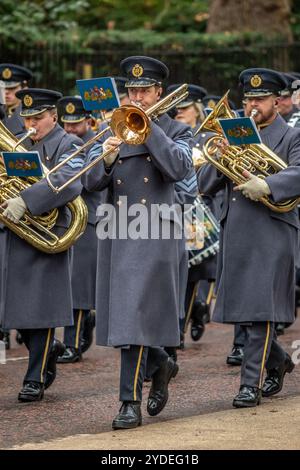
{"type": "Point", "coordinates": [73, 334]}
{"type": "Point", "coordinates": [135, 360]}
{"type": "Point", "coordinates": [261, 350]}
{"type": "Point", "coordinates": [39, 343]}
{"type": "Point", "coordinates": [239, 335]}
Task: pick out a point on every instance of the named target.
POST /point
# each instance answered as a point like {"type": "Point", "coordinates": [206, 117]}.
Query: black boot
{"type": "Point", "coordinates": [275, 377]}
{"type": "Point", "coordinates": [31, 391]}
{"type": "Point", "coordinates": [247, 397]}
{"type": "Point", "coordinates": [129, 416]}
{"type": "Point", "coordinates": [70, 356]}
{"type": "Point", "coordinates": [57, 350]}
{"type": "Point", "coordinates": [87, 333]}
{"type": "Point", "coordinates": [235, 358]}
{"type": "Point", "coordinates": [158, 395]}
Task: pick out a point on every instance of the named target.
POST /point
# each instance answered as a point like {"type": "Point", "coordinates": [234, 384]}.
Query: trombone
{"type": "Point", "coordinates": [130, 124]}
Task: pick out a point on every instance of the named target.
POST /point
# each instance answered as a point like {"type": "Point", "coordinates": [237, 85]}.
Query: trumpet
{"type": "Point", "coordinates": [130, 124]}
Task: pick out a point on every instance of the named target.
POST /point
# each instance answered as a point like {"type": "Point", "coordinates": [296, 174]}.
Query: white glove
{"type": "Point", "coordinates": [14, 209]}
{"type": "Point", "coordinates": [255, 188]}
{"type": "Point", "coordinates": [112, 143]}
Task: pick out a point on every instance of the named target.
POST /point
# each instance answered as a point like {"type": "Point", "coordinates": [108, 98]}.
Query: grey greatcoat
{"type": "Point", "coordinates": [207, 269]}
{"type": "Point", "coordinates": [137, 294]}
{"type": "Point", "coordinates": [256, 269]}
{"type": "Point", "coordinates": [84, 265]}
{"type": "Point", "coordinates": [15, 122]}
{"type": "Point", "coordinates": [36, 287]}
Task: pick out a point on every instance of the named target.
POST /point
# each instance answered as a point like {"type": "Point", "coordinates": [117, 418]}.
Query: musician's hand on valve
{"type": "Point", "coordinates": [112, 145]}
{"type": "Point", "coordinates": [14, 209]}
{"type": "Point", "coordinates": [254, 188]}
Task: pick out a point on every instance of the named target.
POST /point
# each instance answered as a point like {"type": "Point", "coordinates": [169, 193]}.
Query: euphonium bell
{"type": "Point", "coordinates": [233, 160]}
{"type": "Point", "coordinates": [36, 230]}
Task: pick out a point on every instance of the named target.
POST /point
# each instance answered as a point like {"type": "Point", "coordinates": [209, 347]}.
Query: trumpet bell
{"type": "Point", "coordinates": [130, 124]}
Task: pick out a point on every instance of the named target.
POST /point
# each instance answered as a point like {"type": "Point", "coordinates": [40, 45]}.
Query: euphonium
{"type": "Point", "coordinates": [36, 230]}
{"type": "Point", "coordinates": [255, 158]}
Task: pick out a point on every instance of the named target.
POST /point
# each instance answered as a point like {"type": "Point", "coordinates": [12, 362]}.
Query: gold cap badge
{"type": "Point", "coordinates": [256, 81]}
{"type": "Point", "coordinates": [27, 100]}
{"type": "Point", "coordinates": [137, 70]}
{"type": "Point", "coordinates": [70, 108]}
{"type": "Point", "coordinates": [211, 104]}
{"type": "Point", "coordinates": [6, 73]}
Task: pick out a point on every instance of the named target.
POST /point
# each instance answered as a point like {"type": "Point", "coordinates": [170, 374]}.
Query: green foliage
{"type": "Point", "coordinates": [37, 21]}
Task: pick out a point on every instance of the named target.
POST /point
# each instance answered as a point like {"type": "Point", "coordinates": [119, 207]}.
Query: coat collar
{"type": "Point", "coordinates": [273, 134]}
{"type": "Point", "coordinates": [48, 146]}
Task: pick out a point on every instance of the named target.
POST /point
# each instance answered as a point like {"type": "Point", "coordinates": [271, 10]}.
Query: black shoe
{"type": "Point", "coordinates": [172, 353]}
{"type": "Point", "coordinates": [87, 333]}
{"type": "Point", "coordinates": [275, 377]}
{"type": "Point", "coordinates": [200, 316]}
{"type": "Point", "coordinates": [31, 391]}
{"type": "Point", "coordinates": [247, 397]}
{"type": "Point", "coordinates": [70, 356]}
{"type": "Point", "coordinates": [57, 350]}
{"type": "Point", "coordinates": [5, 337]}
{"type": "Point", "coordinates": [19, 338]}
{"type": "Point", "coordinates": [158, 395]}
{"type": "Point", "coordinates": [201, 312]}
{"type": "Point", "coordinates": [197, 330]}
{"type": "Point", "coordinates": [279, 328]}
{"type": "Point", "coordinates": [129, 416]}
{"type": "Point", "coordinates": [236, 356]}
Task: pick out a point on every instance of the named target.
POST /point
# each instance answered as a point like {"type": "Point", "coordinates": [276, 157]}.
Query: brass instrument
{"type": "Point", "coordinates": [36, 230]}
{"type": "Point", "coordinates": [233, 160]}
{"type": "Point", "coordinates": [130, 124]}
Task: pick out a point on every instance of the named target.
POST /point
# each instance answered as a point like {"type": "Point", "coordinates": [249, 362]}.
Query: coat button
{"type": "Point", "coordinates": [234, 199]}
{"type": "Point", "coordinates": [119, 202]}
{"type": "Point", "coordinates": [119, 181]}
{"type": "Point", "coordinates": [120, 162]}
{"type": "Point", "coordinates": [149, 158]}
{"type": "Point", "coordinates": [146, 179]}
{"type": "Point", "coordinates": [48, 158]}
{"type": "Point", "coordinates": [143, 201]}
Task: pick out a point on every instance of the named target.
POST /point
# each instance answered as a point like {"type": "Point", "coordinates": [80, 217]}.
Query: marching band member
{"type": "Point", "coordinates": [190, 111]}
{"type": "Point", "coordinates": [15, 78]}
{"type": "Point", "coordinates": [137, 288]}
{"type": "Point", "coordinates": [78, 337]}
{"type": "Point", "coordinates": [258, 246]}
{"type": "Point", "coordinates": [36, 287]}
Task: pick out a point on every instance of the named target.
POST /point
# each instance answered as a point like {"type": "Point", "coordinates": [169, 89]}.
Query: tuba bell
{"type": "Point", "coordinates": [232, 162]}
{"type": "Point", "coordinates": [36, 230]}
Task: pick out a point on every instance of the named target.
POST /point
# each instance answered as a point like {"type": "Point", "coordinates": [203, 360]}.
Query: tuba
{"type": "Point", "coordinates": [255, 158]}
{"type": "Point", "coordinates": [36, 230]}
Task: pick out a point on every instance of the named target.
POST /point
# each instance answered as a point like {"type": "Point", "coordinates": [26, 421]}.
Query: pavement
{"type": "Point", "coordinates": [77, 410]}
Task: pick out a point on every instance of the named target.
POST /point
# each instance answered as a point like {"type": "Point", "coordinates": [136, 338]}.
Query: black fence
{"type": "Point", "coordinates": [57, 66]}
